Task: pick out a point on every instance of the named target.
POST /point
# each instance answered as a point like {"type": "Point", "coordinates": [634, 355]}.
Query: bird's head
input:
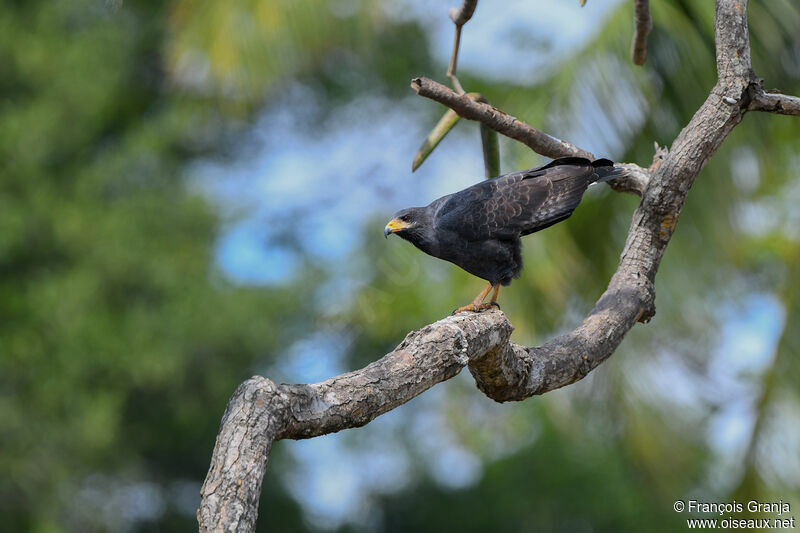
{"type": "Point", "coordinates": [405, 222]}
{"type": "Point", "coordinates": [414, 225]}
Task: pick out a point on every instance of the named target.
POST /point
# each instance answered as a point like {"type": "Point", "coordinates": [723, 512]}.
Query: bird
{"type": "Point", "coordinates": [479, 228]}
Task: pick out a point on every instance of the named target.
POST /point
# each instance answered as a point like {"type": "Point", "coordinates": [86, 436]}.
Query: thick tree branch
{"type": "Point", "coordinates": [254, 417]}
{"type": "Point", "coordinates": [641, 17]}
{"type": "Point", "coordinates": [261, 411]}
{"type": "Point", "coordinates": [783, 104]}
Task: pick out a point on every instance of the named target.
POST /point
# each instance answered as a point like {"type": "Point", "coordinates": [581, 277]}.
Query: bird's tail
{"type": "Point", "coordinates": [606, 170]}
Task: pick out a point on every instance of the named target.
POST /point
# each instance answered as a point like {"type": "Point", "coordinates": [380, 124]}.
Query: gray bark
{"type": "Point", "coordinates": [499, 121]}
{"type": "Point", "coordinates": [773, 102]}
{"type": "Point", "coordinates": [261, 411]}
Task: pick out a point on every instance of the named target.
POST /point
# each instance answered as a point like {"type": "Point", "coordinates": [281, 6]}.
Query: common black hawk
{"type": "Point", "coordinates": [479, 228]}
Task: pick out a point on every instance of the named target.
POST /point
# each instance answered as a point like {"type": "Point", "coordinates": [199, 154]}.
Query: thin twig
{"type": "Point", "coordinates": [459, 16]}
{"type": "Point", "coordinates": [467, 107]}
{"type": "Point", "coordinates": [644, 25]}
{"type": "Point", "coordinates": [451, 69]}
{"type": "Point", "coordinates": [503, 123]}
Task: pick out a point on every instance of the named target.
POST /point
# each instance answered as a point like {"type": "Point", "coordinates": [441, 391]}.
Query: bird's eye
{"type": "Point", "coordinates": [405, 218]}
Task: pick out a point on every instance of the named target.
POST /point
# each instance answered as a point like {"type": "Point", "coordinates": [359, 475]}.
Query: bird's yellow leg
{"type": "Point", "coordinates": [493, 301]}
{"type": "Point", "coordinates": [477, 304]}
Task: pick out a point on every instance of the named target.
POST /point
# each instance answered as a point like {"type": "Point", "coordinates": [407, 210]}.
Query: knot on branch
{"type": "Point", "coordinates": [500, 373]}
{"type": "Point", "coordinates": [460, 15]}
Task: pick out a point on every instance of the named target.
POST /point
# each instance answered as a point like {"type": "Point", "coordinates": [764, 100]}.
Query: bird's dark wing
{"type": "Point", "coordinates": [519, 203]}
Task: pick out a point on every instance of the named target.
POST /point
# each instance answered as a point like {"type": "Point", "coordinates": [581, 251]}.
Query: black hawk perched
{"type": "Point", "coordinates": [479, 228]}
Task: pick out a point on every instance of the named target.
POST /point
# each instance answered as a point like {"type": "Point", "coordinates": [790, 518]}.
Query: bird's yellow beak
{"type": "Point", "coordinates": [394, 226]}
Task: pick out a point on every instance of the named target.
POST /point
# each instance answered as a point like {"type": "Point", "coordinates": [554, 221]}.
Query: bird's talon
{"type": "Point", "coordinates": [497, 305]}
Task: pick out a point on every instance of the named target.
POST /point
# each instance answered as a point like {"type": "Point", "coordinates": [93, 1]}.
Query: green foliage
{"type": "Point", "coordinates": [597, 487]}
{"type": "Point", "coordinates": [491, 151]}
{"type": "Point", "coordinates": [120, 342]}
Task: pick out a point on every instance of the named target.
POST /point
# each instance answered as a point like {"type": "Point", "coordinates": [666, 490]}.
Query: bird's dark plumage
{"type": "Point", "coordinates": [479, 228]}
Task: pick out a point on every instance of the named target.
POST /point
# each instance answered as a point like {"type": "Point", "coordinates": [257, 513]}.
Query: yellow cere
{"type": "Point", "coordinates": [396, 224]}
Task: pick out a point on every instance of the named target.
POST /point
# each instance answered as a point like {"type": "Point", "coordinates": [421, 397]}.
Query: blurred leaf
{"type": "Point", "coordinates": [436, 135]}
{"type": "Point", "coordinates": [491, 151]}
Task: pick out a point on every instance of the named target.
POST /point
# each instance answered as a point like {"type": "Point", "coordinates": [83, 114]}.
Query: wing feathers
{"type": "Point", "coordinates": [522, 202]}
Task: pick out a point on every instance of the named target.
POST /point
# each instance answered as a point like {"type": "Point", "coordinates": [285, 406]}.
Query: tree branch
{"type": "Point", "coordinates": [459, 16]}
{"type": "Point", "coordinates": [261, 411]}
{"type": "Point", "coordinates": [634, 181]}
{"type": "Point", "coordinates": [644, 25]}
{"type": "Point", "coordinates": [783, 104]}
{"type": "Point", "coordinates": [501, 122]}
